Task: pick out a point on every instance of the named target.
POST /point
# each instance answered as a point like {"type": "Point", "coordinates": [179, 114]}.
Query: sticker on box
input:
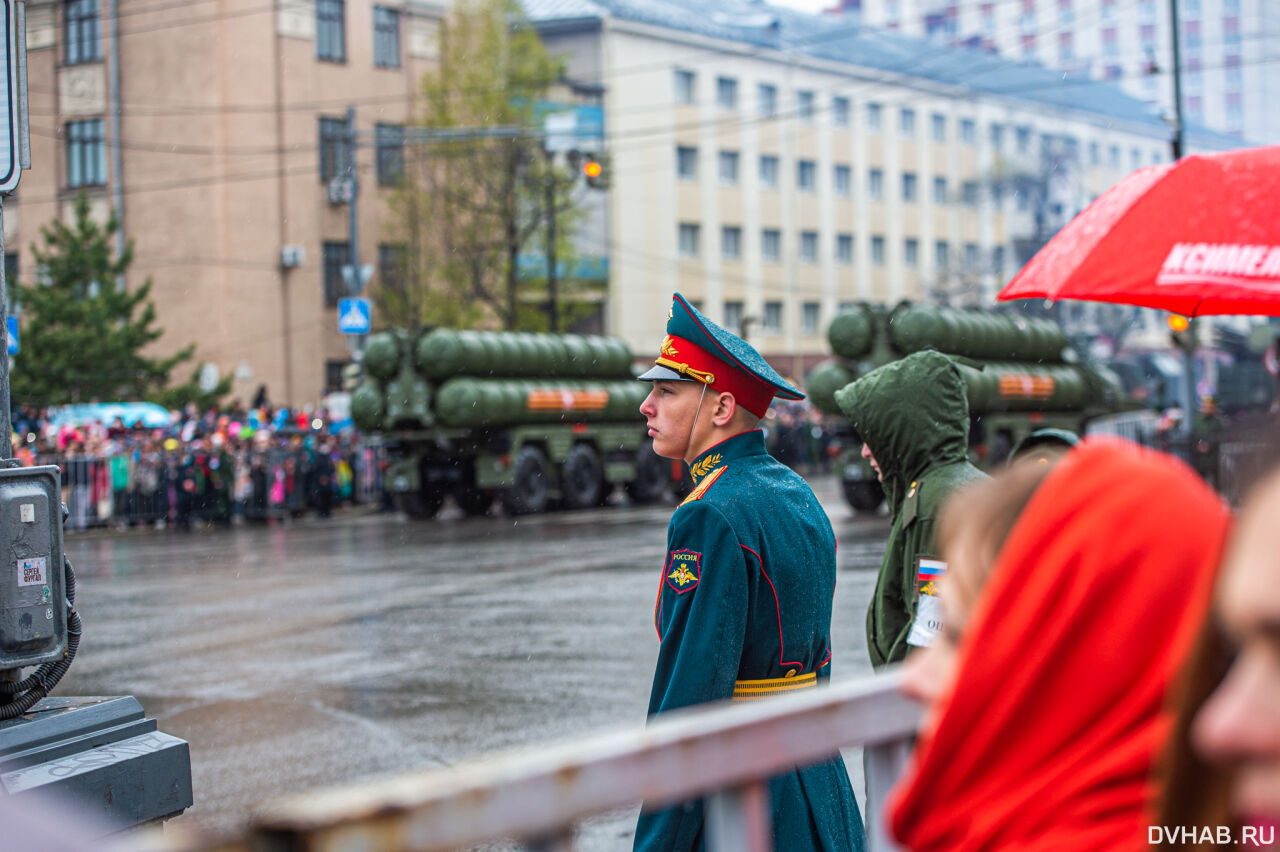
{"type": "Point", "coordinates": [32, 572]}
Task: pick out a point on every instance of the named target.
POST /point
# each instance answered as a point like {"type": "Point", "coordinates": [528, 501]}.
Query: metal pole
{"type": "Point", "coordinates": [6, 426]}
{"type": "Point", "coordinates": [1189, 355]}
{"type": "Point", "coordinates": [553, 316]}
{"type": "Point", "coordinates": [355, 285]}
{"type": "Point", "coordinates": [1177, 82]}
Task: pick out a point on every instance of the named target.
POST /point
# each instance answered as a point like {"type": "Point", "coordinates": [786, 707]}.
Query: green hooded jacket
{"type": "Point", "coordinates": [914, 415]}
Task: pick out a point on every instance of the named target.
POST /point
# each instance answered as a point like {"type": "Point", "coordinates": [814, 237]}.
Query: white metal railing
{"type": "Point", "coordinates": [725, 752]}
{"type": "Point", "coordinates": [1140, 427]}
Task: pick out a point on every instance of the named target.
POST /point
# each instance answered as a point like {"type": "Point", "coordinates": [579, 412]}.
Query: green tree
{"type": "Point", "coordinates": [472, 200]}
{"type": "Point", "coordinates": [82, 338]}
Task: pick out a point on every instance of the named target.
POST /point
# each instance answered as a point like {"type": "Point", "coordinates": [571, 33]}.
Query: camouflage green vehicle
{"type": "Point", "coordinates": [1020, 374]}
{"type": "Point", "coordinates": [531, 420]}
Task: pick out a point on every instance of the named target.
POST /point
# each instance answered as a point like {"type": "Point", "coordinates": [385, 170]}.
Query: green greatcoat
{"type": "Point", "coordinates": [745, 594]}
{"type": "Point", "coordinates": [914, 415]}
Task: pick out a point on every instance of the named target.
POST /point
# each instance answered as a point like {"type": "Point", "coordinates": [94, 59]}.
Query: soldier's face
{"type": "Point", "coordinates": [1239, 725]}
{"type": "Point", "coordinates": [668, 411]}
{"type": "Point", "coordinates": [866, 454]}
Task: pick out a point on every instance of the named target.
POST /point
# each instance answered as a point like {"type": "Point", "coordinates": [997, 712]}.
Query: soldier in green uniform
{"type": "Point", "coordinates": [913, 418]}
{"type": "Point", "coordinates": [744, 600]}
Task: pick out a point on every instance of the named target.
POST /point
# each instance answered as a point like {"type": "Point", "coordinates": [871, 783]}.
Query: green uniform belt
{"type": "Point", "coordinates": [754, 690]}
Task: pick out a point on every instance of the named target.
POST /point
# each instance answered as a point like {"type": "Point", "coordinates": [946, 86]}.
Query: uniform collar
{"type": "Point", "coordinates": [738, 446]}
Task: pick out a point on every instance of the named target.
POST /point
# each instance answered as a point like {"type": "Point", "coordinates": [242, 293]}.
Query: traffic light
{"type": "Point", "coordinates": [594, 169]}
{"type": "Point", "coordinates": [1182, 333]}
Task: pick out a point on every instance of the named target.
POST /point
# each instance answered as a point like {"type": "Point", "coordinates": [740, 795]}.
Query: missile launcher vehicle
{"type": "Point", "coordinates": [531, 420]}
{"type": "Point", "coordinates": [1020, 373]}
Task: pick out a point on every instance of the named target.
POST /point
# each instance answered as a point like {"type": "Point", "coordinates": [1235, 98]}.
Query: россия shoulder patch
{"type": "Point", "coordinates": [683, 571]}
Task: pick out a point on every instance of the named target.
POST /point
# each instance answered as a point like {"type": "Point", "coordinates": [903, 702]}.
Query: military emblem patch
{"type": "Point", "coordinates": [683, 571]}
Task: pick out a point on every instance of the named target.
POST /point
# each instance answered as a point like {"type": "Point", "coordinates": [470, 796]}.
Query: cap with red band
{"type": "Point", "coordinates": [697, 350]}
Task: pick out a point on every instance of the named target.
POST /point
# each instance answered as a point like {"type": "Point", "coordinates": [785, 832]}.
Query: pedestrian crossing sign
{"type": "Point", "coordinates": [354, 316]}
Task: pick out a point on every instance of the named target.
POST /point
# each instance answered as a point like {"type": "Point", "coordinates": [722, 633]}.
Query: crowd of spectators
{"type": "Point", "coordinates": [211, 466]}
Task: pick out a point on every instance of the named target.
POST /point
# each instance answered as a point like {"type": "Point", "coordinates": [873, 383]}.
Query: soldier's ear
{"type": "Point", "coordinates": [726, 407]}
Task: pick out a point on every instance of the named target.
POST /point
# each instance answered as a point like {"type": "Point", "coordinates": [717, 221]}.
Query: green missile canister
{"type": "Point", "coordinates": [368, 406]}
{"type": "Point", "coordinates": [444, 353]}
{"type": "Point", "coordinates": [1009, 386]}
{"type": "Point", "coordinates": [466, 401]}
{"type": "Point", "coordinates": [382, 355]}
{"type": "Point", "coordinates": [823, 381]}
{"type": "Point", "coordinates": [976, 334]}
{"type": "Point", "coordinates": [850, 333]}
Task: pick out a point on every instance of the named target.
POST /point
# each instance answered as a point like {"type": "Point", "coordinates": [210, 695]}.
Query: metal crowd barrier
{"type": "Point", "coordinates": [260, 485]}
{"type": "Point", "coordinates": [1140, 427]}
{"type": "Point", "coordinates": [725, 752]}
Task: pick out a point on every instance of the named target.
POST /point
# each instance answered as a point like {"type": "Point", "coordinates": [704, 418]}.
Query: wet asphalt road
{"type": "Point", "coordinates": [326, 651]}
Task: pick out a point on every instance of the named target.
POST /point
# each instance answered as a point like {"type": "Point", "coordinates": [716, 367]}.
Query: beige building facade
{"type": "Point", "coordinates": [213, 127]}
{"type": "Point", "coordinates": [774, 185]}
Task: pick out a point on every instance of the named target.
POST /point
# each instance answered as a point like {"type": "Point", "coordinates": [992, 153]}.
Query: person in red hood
{"type": "Point", "coordinates": [1068, 614]}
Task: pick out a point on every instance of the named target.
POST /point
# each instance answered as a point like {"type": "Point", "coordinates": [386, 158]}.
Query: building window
{"type": "Point", "coordinates": [911, 252]}
{"type": "Point", "coordinates": [844, 180]}
{"type": "Point", "coordinates": [333, 148]}
{"type": "Point", "coordinates": [729, 167]}
{"type": "Point", "coordinates": [1113, 156]}
{"type": "Point", "coordinates": [386, 37]}
{"type": "Point", "coordinates": [336, 256]}
{"type": "Point", "coordinates": [907, 122]}
{"type": "Point", "coordinates": [772, 318]}
{"type": "Point", "coordinates": [80, 26]}
{"type": "Point", "coordinates": [767, 100]}
{"type": "Point", "coordinates": [690, 235]}
{"type": "Point", "coordinates": [1023, 135]}
{"type": "Point", "coordinates": [389, 140]}
{"type": "Point", "coordinates": [731, 242]}
{"type": "Point", "coordinates": [840, 112]}
{"type": "Point", "coordinates": [726, 93]}
{"type": "Point", "coordinates": [844, 249]}
{"type": "Point", "coordinates": [804, 105]}
{"type": "Point", "coordinates": [809, 246]}
{"type": "Point", "coordinates": [873, 117]}
{"type": "Point", "coordinates": [968, 132]}
{"type": "Point", "coordinates": [809, 317]}
{"type": "Point", "coordinates": [997, 136]}
{"type": "Point", "coordinates": [969, 193]}
{"type": "Point", "coordinates": [733, 316]}
{"type": "Point", "coordinates": [331, 30]}
{"type": "Point", "coordinates": [806, 175]}
{"type": "Point", "coordinates": [941, 254]}
{"type": "Point", "coordinates": [768, 171]}
{"type": "Point", "coordinates": [877, 251]}
{"type": "Point", "coordinates": [971, 256]}
{"type": "Point", "coordinates": [939, 190]}
{"type": "Point", "coordinates": [875, 185]}
{"type": "Point", "coordinates": [1095, 154]}
{"type": "Point", "coordinates": [86, 153]}
{"type": "Point", "coordinates": [684, 86]}
{"type": "Point", "coordinates": [393, 264]}
{"type": "Point", "coordinates": [686, 163]}
{"type": "Point", "coordinates": [1135, 158]}
{"type": "Point", "coordinates": [939, 127]}
{"type": "Point", "coordinates": [771, 244]}
{"type": "Point", "coordinates": [909, 187]}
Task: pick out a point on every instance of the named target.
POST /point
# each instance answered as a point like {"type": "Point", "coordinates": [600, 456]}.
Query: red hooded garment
{"type": "Point", "coordinates": [1048, 738]}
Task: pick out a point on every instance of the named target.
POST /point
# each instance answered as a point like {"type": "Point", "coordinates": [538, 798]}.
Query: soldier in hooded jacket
{"type": "Point", "coordinates": [913, 418]}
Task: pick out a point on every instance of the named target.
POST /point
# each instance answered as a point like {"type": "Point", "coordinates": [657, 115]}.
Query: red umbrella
{"type": "Point", "coordinates": [1199, 236]}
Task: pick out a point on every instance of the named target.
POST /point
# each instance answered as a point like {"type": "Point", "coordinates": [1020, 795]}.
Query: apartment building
{"type": "Point", "coordinates": [215, 129]}
{"type": "Point", "coordinates": [774, 166]}
{"type": "Point", "coordinates": [1228, 82]}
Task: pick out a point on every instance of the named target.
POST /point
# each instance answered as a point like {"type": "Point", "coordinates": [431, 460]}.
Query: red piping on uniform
{"type": "Point", "coordinates": [777, 607]}
{"type": "Point", "coordinates": [827, 660]}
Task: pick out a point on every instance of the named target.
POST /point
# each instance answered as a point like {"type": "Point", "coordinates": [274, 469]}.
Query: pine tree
{"type": "Point", "coordinates": [82, 338]}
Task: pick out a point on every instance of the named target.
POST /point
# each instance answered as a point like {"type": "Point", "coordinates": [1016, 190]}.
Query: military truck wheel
{"type": "Point", "coordinates": [581, 478]}
{"type": "Point", "coordinates": [653, 476]}
{"type": "Point", "coordinates": [864, 496]}
{"type": "Point", "coordinates": [528, 494]}
{"type": "Point", "coordinates": [473, 501]}
{"type": "Point", "coordinates": [419, 505]}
